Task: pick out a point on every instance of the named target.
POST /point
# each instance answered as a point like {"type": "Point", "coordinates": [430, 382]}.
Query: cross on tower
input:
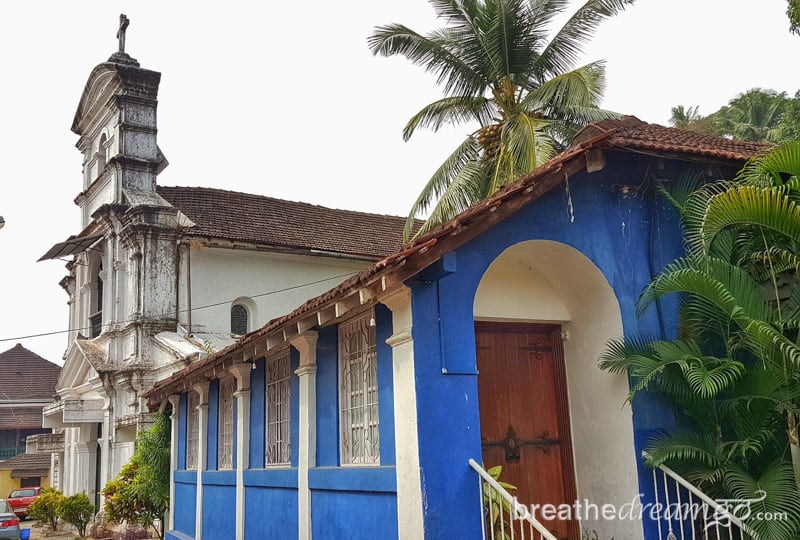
{"type": "Point", "coordinates": [123, 24]}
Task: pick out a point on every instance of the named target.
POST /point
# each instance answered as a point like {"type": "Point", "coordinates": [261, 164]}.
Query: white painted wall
{"type": "Point", "coordinates": [543, 281]}
{"type": "Point", "coordinates": [223, 275]}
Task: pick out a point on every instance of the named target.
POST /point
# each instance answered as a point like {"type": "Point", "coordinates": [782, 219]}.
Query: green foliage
{"type": "Point", "coordinates": [140, 492]}
{"type": "Point", "coordinates": [78, 510]}
{"type": "Point", "coordinates": [47, 507]}
{"type": "Point", "coordinates": [500, 68]}
{"type": "Point", "coordinates": [758, 115]}
{"type": "Point", "coordinates": [733, 373]}
{"type": "Point", "coordinates": [793, 12]}
{"type": "Point", "coordinates": [499, 513]}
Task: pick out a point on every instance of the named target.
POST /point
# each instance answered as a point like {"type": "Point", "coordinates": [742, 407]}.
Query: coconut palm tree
{"type": "Point", "coordinates": [682, 116]}
{"type": "Point", "coordinates": [755, 115]}
{"type": "Point", "coordinates": [499, 69]}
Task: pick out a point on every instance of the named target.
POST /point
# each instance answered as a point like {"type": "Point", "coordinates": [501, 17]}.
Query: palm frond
{"type": "Point", "coordinates": [686, 446]}
{"type": "Point", "coordinates": [709, 377]}
{"type": "Point", "coordinates": [566, 46]}
{"type": "Point", "coordinates": [451, 110]}
{"type": "Point", "coordinates": [440, 181]}
{"type": "Point", "coordinates": [773, 493]}
{"type": "Point", "coordinates": [581, 87]}
{"type": "Point", "coordinates": [730, 288]}
{"type": "Point", "coordinates": [462, 192]}
{"type": "Point", "coordinates": [678, 192]}
{"type": "Point", "coordinates": [751, 205]}
{"type": "Point", "coordinates": [524, 146]}
{"type": "Point", "coordinates": [457, 76]}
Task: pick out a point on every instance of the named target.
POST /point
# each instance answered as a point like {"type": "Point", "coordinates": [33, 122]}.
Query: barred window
{"type": "Point", "coordinates": [278, 415]}
{"type": "Point", "coordinates": [225, 445]}
{"type": "Point", "coordinates": [358, 392]}
{"type": "Point", "coordinates": [192, 430]}
{"type": "Point", "coordinates": [239, 319]}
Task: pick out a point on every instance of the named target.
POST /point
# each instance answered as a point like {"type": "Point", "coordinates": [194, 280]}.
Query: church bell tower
{"type": "Point", "coordinates": [116, 123]}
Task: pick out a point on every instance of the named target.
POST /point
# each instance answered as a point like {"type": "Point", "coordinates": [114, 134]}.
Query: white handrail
{"type": "Point", "coordinates": [512, 501]}
{"type": "Point", "coordinates": [720, 511]}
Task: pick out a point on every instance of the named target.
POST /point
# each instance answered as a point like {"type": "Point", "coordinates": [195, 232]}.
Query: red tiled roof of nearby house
{"type": "Point", "coordinates": [26, 375]}
{"type": "Point", "coordinates": [631, 133]}
{"type": "Point", "coordinates": [21, 418]}
{"type": "Point", "coordinates": [243, 217]}
{"type": "Point", "coordinates": [27, 465]}
{"type": "Point", "coordinates": [627, 133]}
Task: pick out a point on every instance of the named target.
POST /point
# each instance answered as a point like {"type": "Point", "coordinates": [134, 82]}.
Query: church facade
{"type": "Point", "coordinates": [160, 277]}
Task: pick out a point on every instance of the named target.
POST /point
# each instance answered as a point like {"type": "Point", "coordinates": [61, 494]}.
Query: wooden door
{"type": "Point", "coordinates": [525, 416]}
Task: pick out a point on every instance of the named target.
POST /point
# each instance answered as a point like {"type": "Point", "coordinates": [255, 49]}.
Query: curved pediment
{"type": "Point", "coordinates": [107, 80]}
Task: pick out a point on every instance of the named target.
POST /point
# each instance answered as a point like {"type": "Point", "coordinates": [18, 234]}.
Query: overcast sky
{"type": "Point", "coordinates": [284, 99]}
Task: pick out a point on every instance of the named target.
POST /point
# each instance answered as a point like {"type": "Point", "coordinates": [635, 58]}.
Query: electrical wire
{"type": "Point", "coordinates": [154, 317]}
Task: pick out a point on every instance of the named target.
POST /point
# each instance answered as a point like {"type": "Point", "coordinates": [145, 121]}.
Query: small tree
{"type": "Point", "coordinates": [140, 492]}
{"type": "Point", "coordinates": [47, 507]}
{"type": "Point", "coordinates": [78, 510]}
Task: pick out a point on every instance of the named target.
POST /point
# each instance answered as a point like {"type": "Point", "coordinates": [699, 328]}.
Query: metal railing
{"type": "Point", "coordinates": [690, 514]}
{"type": "Point", "coordinates": [503, 517]}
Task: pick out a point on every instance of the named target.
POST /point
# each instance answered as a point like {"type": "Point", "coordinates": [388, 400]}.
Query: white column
{"type": "Point", "coordinates": [202, 459]}
{"type": "Point", "coordinates": [175, 401]}
{"type": "Point", "coordinates": [307, 438]}
{"type": "Point", "coordinates": [409, 485]}
{"type": "Point", "coordinates": [85, 461]}
{"type": "Point", "coordinates": [242, 395]}
{"type": "Point", "coordinates": [105, 446]}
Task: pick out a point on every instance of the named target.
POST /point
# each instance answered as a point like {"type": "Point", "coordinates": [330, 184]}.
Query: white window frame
{"type": "Point", "coordinates": [278, 414]}
{"type": "Point", "coordinates": [359, 421]}
{"type": "Point", "coordinates": [226, 432]}
{"type": "Point", "coordinates": [192, 430]}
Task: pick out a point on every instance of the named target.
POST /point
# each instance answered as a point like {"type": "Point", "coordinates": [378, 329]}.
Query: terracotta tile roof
{"type": "Point", "coordinates": [21, 417]}
{"type": "Point", "coordinates": [631, 133]}
{"type": "Point", "coordinates": [243, 217]}
{"type": "Point", "coordinates": [27, 465]}
{"type": "Point", "coordinates": [25, 374]}
{"type": "Point", "coordinates": [628, 133]}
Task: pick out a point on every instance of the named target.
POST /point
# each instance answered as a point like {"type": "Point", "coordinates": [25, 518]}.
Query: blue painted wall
{"type": "Point", "coordinates": [383, 330]}
{"type": "Point", "coordinates": [271, 513]}
{"type": "Point", "coordinates": [183, 407]}
{"type": "Point", "coordinates": [614, 231]}
{"type": "Point", "coordinates": [219, 505]}
{"type": "Point", "coordinates": [327, 397]}
{"type": "Point", "coordinates": [257, 414]}
{"type": "Point", "coordinates": [186, 497]}
{"type": "Point", "coordinates": [353, 515]}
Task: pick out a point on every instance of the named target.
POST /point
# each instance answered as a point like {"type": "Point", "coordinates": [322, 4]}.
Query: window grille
{"type": "Point", "coordinates": [278, 415]}
{"type": "Point", "coordinates": [238, 319]}
{"type": "Point", "coordinates": [225, 447]}
{"type": "Point", "coordinates": [192, 430]}
{"type": "Point", "coordinates": [358, 392]}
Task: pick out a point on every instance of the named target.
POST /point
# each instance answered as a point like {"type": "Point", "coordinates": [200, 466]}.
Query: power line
{"type": "Point", "coordinates": [43, 334]}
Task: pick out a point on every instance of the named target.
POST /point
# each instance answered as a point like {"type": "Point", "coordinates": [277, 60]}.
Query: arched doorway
{"type": "Point", "coordinates": [543, 313]}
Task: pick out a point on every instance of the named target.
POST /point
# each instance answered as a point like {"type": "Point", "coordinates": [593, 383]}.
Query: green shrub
{"type": "Point", "coordinates": [78, 510]}
{"type": "Point", "coordinates": [140, 492]}
{"type": "Point", "coordinates": [46, 507]}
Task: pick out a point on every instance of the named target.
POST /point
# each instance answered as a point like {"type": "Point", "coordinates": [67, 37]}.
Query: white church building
{"type": "Point", "coordinates": [159, 277]}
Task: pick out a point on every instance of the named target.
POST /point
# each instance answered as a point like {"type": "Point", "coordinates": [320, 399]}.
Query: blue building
{"type": "Point", "coordinates": [356, 415]}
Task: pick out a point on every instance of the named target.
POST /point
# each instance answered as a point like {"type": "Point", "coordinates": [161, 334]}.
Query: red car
{"type": "Point", "coordinates": [20, 499]}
